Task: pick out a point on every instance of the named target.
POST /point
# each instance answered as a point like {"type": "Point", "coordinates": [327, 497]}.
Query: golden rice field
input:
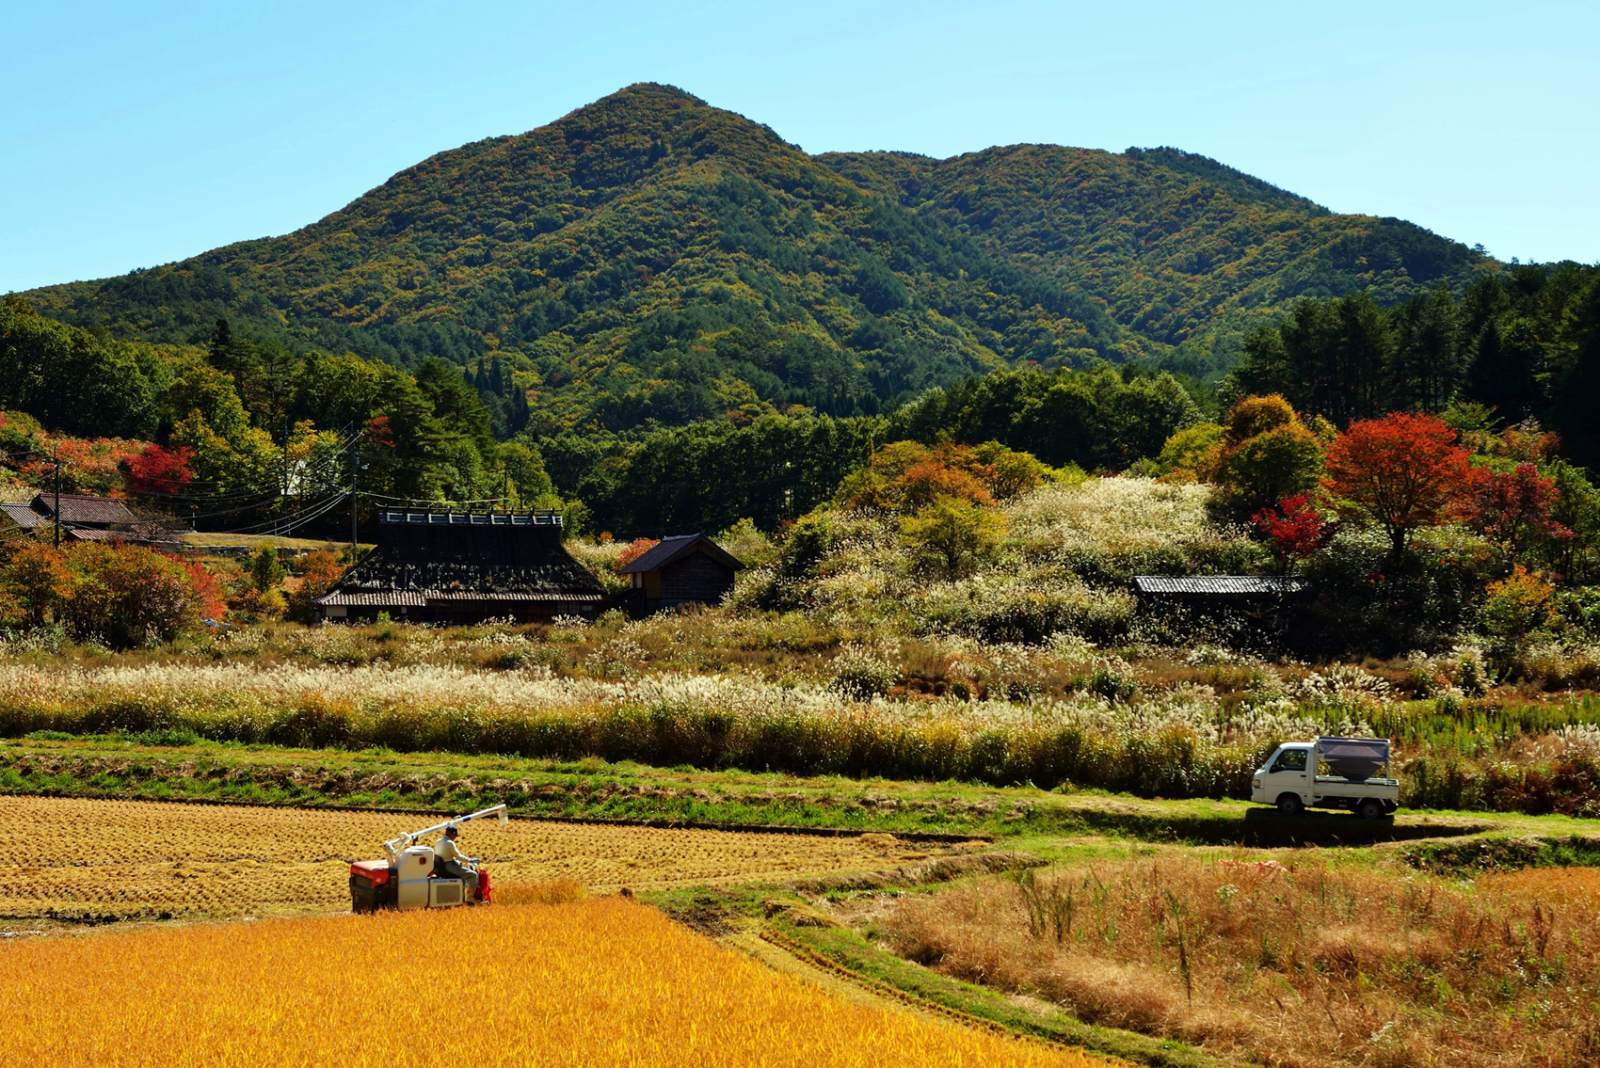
{"type": "Point", "coordinates": [74, 858]}
{"type": "Point", "coordinates": [602, 982]}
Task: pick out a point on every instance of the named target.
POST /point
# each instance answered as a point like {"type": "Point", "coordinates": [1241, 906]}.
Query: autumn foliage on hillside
{"type": "Point", "coordinates": [118, 594]}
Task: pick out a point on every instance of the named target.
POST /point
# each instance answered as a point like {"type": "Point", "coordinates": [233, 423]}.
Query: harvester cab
{"type": "Point", "coordinates": [412, 876]}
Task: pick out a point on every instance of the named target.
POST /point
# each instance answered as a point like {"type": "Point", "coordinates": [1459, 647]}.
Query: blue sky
{"type": "Point", "coordinates": [140, 134]}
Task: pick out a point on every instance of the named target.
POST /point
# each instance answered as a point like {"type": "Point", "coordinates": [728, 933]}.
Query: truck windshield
{"type": "Point", "coordinates": [1290, 760]}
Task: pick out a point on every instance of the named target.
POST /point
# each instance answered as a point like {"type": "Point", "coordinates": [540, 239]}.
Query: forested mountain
{"type": "Point", "coordinates": [651, 260]}
{"type": "Point", "coordinates": [1182, 250]}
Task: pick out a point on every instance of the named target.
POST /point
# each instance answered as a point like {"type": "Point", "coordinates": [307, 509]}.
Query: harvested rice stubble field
{"type": "Point", "coordinates": [601, 982]}
{"type": "Point", "coordinates": [76, 859]}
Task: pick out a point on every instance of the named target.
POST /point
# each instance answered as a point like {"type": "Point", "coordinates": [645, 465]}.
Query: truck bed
{"type": "Point", "coordinates": [1331, 786]}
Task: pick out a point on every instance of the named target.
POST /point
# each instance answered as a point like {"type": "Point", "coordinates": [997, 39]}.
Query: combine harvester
{"type": "Point", "coordinates": [408, 879]}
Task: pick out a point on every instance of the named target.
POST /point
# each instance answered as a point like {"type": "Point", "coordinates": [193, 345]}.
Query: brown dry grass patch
{"type": "Point", "coordinates": [1309, 965]}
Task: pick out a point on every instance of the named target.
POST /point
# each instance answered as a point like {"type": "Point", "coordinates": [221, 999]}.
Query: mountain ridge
{"type": "Point", "coordinates": [651, 259]}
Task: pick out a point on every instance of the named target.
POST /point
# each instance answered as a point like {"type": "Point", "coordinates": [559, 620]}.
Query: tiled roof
{"type": "Point", "coordinates": [22, 515]}
{"type": "Point", "coordinates": [420, 598]}
{"type": "Point", "coordinates": [382, 600]}
{"type": "Point", "coordinates": [1224, 585]}
{"type": "Point", "coordinates": [82, 509]}
{"type": "Point", "coordinates": [669, 549]}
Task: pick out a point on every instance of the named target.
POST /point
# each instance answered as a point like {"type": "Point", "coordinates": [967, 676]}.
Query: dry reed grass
{"type": "Point", "coordinates": [1314, 965]}
{"type": "Point", "coordinates": [602, 982]}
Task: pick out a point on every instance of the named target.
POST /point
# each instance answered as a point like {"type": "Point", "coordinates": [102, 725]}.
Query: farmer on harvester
{"type": "Point", "coordinates": [450, 863]}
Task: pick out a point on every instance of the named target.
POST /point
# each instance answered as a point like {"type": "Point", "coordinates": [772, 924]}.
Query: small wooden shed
{"type": "Point", "coordinates": [681, 570]}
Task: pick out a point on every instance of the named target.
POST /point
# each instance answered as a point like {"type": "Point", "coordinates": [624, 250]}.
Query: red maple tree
{"type": "Point", "coordinates": [1401, 472]}
{"type": "Point", "coordinates": [1295, 529]}
{"type": "Point", "coordinates": [158, 470]}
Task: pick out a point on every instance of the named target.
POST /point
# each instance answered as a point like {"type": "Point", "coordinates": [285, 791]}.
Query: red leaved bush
{"type": "Point", "coordinates": [1296, 529]}
{"type": "Point", "coordinates": [634, 551]}
{"type": "Point", "coordinates": [124, 595]}
{"type": "Point", "coordinates": [1512, 508]}
{"type": "Point", "coordinates": [1401, 472]}
{"type": "Point", "coordinates": [210, 599]}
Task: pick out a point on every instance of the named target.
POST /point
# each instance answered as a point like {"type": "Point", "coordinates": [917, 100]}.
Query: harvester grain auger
{"type": "Point", "coordinates": [412, 878]}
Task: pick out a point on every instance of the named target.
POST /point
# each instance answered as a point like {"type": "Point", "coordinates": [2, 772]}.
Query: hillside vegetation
{"type": "Point", "coordinates": [649, 259]}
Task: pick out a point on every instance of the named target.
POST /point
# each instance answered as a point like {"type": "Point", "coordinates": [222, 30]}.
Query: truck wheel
{"type": "Point", "coordinates": [1291, 805]}
{"type": "Point", "coordinates": [1370, 809]}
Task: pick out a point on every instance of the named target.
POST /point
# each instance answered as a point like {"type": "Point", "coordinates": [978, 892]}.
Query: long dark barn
{"type": "Point", "coordinates": [465, 567]}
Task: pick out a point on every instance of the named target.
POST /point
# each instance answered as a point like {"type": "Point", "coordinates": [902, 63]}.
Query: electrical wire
{"type": "Point", "coordinates": [330, 459]}
{"type": "Point", "coordinates": [421, 500]}
{"type": "Point", "coordinates": [321, 507]}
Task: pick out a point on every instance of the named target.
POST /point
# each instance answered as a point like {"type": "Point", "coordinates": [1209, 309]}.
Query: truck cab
{"type": "Point", "coordinates": [1350, 773]}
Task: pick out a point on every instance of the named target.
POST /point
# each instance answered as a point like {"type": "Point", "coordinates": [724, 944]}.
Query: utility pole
{"type": "Point", "coordinates": [55, 461]}
{"type": "Point", "coordinates": [283, 495]}
{"type": "Point", "coordinates": [355, 467]}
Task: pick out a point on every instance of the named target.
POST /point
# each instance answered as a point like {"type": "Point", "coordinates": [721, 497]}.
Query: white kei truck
{"type": "Point", "coordinates": [1350, 773]}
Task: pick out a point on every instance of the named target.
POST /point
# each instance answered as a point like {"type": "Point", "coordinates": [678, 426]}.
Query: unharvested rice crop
{"type": "Point", "coordinates": [91, 859]}
{"type": "Point", "coordinates": [602, 982]}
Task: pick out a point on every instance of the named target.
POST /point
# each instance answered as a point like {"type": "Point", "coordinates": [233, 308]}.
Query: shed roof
{"type": "Point", "coordinates": [1219, 585]}
{"type": "Point", "coordinates": [82, 509]}
{"type": "Point", "coordinates": [22, 515]}
{"type": "Point", "coordinates": [672, 548]}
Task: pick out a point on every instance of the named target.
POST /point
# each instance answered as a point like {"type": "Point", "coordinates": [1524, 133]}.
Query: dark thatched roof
{"type": "Point", "coordinates": [466, 557]}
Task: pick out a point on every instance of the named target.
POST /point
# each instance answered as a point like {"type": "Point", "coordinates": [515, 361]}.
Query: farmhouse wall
{"type": "Point", "coordinates": [696, 577]}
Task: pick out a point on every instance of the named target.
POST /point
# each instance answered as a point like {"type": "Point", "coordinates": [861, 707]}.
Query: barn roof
{"type": "Point", "coordinates": [672, 548]}
{"type": "Point", "coordinates": [84, 510]}
{"type": "Point", "coordinates": [426, 557]}
{"type": "Point", "coordinates": [1219, 585]}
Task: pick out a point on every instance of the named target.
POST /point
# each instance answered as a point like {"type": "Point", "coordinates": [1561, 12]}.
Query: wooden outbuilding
{"type": "Point", "coordinates": [682, 570]}
{"type": "Point", "coordinates": [464, 568]}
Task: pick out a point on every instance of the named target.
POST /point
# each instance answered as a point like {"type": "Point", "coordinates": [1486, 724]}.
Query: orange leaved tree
{"type": "Point", "coordinates": [1401, 472]}
{"type": "Point", "coordinates": [635, 550]}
